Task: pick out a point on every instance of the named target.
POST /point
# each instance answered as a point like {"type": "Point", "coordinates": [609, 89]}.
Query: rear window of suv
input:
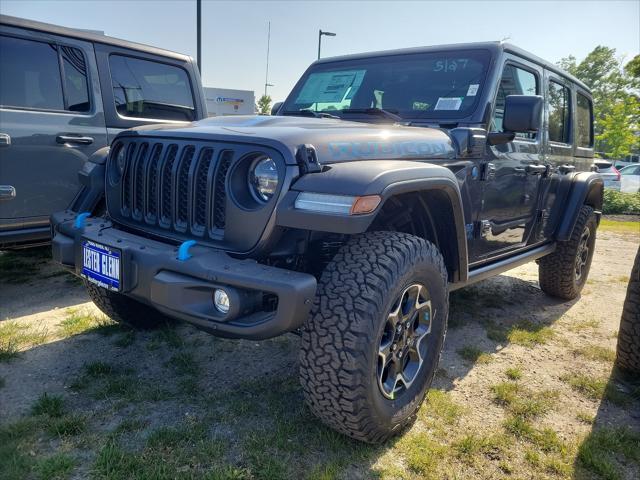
{"type": "Point", "coordinates": [153, 90]}
{"type": "Point", "coordinates": [42, 76]}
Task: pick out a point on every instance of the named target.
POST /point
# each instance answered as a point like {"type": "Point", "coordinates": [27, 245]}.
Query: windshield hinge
{"type": "Point", "coordinates": [308, 159]}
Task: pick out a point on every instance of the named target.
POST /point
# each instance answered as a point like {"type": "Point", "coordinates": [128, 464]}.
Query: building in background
{"type": "Point", "coordinates": [225, 101]}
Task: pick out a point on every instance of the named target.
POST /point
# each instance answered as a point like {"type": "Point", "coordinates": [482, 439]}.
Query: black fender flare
{"type": "Point", "coordinates": [587, 188]}
{"type": "Point", "coordinates": [92, 177]}
{"type": "Point", "coordinates": [386, 178]}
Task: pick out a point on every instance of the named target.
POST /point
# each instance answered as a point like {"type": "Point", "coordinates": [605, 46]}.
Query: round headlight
{"type": "Point", "coordinates": [263, 178]}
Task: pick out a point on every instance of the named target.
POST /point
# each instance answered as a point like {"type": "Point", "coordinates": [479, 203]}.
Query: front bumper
{"type": "Point", "coordinates": [265, 301]}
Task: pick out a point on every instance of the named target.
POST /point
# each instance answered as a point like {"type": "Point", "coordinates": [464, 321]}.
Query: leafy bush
{"type": "Point", "coordinates": [618, 202]}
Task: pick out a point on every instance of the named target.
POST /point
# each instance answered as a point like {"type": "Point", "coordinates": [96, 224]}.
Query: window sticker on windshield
{"type": "Point", "coordinates": [473, 89]}
{"type": "Point", "coordinates": [449, 103]}
{"type": "Point", "coordinates": [330, 87]}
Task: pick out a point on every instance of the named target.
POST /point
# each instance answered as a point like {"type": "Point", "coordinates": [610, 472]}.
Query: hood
{"type": "Point", "coordinates": [334, 140]}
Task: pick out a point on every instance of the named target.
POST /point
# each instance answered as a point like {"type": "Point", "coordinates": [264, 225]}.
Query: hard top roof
{"type": "Point", "coordinates": [494, 47]}
{"type": "Point", "coordinates": [88, 36]}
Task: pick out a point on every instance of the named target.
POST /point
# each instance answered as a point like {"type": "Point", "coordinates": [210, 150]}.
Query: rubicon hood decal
{"type": "Point", "coordinates": [334, 140]}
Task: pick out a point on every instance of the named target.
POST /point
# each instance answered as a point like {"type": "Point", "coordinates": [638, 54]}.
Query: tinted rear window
{"type": "Point", "coordinates": [147, 89]}
{"type": "Point", "coordinates": [30, 75]}
{"type": "Point", "coordinates": [584, 122]}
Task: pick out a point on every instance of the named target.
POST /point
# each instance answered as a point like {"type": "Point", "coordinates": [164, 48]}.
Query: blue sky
{"type": "Point", "coordinates": [235, 33]}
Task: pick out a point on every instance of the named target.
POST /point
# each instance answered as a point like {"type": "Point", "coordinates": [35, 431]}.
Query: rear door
{"type": "Point", "coordinates": [51, 121]}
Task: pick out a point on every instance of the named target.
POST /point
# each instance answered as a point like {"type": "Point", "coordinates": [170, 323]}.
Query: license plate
{"type": "Point", "coordinates": [101, 265]}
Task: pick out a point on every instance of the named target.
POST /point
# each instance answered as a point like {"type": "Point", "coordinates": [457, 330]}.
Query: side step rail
{"type": "Point", "coordinates": [496, 268]}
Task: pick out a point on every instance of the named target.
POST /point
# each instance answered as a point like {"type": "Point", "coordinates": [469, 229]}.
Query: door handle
{"type": "Point", "coordinates": [535, 169]}
{"type": "Point", "coordinates": [74, 139]}
{"type": "Point", "coordinates": [5, 140]}
{"type": "Point", "coordinates": [7, 192]}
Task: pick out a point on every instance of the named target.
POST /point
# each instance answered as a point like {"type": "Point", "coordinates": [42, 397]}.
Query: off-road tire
{"type": "Point", "coordinates": [557, 271]}
{"type": "Point", "coordinates": [125, 310]}
{"type": "Point", "coordinates": [628, 351]}
{"type": "Point", "coordinates": [340, 340]}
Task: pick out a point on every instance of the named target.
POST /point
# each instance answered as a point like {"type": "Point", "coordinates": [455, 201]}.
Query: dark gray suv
{"type": "Point", "coordinates": [64, 95]}
{"type": "Point", "coordinates": [385, 181]}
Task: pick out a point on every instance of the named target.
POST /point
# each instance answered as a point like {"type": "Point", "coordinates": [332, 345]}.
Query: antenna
{"type": "Point", "coordinates": [266, 77]}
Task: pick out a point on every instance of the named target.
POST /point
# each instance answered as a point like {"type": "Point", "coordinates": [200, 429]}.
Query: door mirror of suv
{"type": "Point", "coordinates": [275, 108]}
{"type": "Point", "coordinates": [522, 113]}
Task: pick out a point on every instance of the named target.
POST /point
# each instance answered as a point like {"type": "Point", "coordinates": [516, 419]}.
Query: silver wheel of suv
{"type": "Point", "coordinates": [401, 352]}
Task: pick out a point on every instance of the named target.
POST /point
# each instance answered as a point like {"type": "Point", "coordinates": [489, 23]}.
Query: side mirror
{"type": "Point", "coordinates": [275, 108]}
{"type": "Point", "coordinates": [522, 113]}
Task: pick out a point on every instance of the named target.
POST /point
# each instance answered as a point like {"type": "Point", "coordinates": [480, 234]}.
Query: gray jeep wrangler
{"type": "Point", "coordinates": [382, 183]}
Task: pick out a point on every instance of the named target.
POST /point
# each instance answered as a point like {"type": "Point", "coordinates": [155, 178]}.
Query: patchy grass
{"type": "Point", "coordinates": [184, 363]}
{"type": "Point", "coordinates": [22, 266]}
{"type": "Point", "coordinates": [584, 325]}
{"type": "Point", "coordinates": [603, 449]}
{"type": "Point", "coordinates": [78, 321]}
{"type": "Point", "coordinates": [523, 402]}
{"type": "Point", "coordinates": [474, 354]}
{"type": "Point", "coordinates": [513, 373]}
{"type": "Point", "coordinates": [585, 417]}
{"type": "Point", "coordinates": [55, 467]}
{"type": "Point", "coordinates": [50, 405]}
{"type": "Point", "coordinates": [16, 336]}
{"type": "Point", "coordinates": [619, 226]}
{"type": "Point", "coordinates": [67, 425]}
{"type": "Point", "coordinates": [440, 408]}
{"type": "Point", "coordinates": [525, 332]}
{"type": "Point", "coordinates": [597, 352]}
{"type": "Point", "coordinates": [596, 388]}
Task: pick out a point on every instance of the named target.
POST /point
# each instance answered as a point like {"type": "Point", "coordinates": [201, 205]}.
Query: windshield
{"type": "Point", "coordinates": [421, 85]}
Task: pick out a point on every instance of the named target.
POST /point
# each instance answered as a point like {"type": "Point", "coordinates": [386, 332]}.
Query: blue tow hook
{"type": "Point", "coordinates": [183, 250]}
{"type": "Point", "coordinates": [80, 220]}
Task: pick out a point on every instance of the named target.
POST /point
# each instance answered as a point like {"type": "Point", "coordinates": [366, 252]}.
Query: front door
{"type": "Point", "coordinates": [51, 121]}
{"type": "Point", "coordinates": [511, 174]}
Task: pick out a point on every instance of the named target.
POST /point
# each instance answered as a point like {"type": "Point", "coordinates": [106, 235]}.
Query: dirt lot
{"type": "Point", "coordinates": [524, 390]}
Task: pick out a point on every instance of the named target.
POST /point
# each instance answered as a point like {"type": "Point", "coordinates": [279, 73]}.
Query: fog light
{"type": "Point", "coordinates": [221, 300]}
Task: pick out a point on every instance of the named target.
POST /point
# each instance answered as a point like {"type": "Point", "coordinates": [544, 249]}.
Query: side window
{"type": "Point", "coordinates": [514, 81]}
{"type": "Point", "coordinates": [559, 113]}
{"type": "Point", "coordinates": [30, 75]}
{"type": "Point", "coordinates": [146, 89]}
{"type": "Point", "coordinates": [75, 79]}
{"type": "Point", "coordinates": [584, 122]}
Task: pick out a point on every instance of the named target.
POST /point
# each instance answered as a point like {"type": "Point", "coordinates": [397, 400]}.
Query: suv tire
{"type": "Point", "coordinates": [125, 310]}
{"type": "Point", "coordinates": [628, 351]}
{"type": "Point", "coordinates": [348, 363]}
{"type": "Point", "coordinates": [563, 273]}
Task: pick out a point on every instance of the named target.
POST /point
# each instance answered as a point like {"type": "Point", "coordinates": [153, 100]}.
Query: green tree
{"type": "Point", "coordinates": [633, 67]}
{"type": "Point", "coordinates": [611, 85]}
{"type": "Point", "coordinates": [618, 127]}
{"type": "Point", "coordinates": [264, 105]}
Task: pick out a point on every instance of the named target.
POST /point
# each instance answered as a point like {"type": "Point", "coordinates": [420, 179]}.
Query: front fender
{"type": "Point", "coordinates": [586, 189]}
{"type": "Point", "coordinates": [386, 178]}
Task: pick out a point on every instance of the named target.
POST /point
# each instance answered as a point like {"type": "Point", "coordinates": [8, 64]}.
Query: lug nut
{"type": "Point", "coordinates": [400, 355]}
{"type": "Point", "coordinates": [394, 347]}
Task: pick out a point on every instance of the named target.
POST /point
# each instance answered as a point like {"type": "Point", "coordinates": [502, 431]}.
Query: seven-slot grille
{"type": "Point", "coordinates": [176, 186]}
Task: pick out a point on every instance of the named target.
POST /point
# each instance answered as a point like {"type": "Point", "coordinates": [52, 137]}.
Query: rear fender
{"type": "Point", "coordinates": [586, 189]}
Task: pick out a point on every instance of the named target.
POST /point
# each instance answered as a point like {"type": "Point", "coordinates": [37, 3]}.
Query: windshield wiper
{"type": "Point", "coordinates": [306, 112]}
{"type": "Point", "coordinates": [381, 112]}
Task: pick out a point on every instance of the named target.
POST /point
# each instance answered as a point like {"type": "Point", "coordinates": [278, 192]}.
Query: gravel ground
{"type": "Point", "coordinates": [240, 389]}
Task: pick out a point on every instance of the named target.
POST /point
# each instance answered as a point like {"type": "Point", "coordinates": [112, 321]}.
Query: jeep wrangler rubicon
{"type": "Point", "coordinates": [382, 183]}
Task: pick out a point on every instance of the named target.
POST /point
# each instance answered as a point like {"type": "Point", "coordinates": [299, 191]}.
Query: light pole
{"type": "Point", "coordinates": [199, 33]}
{"type": "Point", "coordinates": [320, 34]}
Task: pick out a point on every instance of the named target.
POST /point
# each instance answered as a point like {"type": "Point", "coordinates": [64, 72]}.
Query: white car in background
{"type": "Point", "coordinates": [608, 172]}
{"type": "Point", "coordinates": [630, 179]}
